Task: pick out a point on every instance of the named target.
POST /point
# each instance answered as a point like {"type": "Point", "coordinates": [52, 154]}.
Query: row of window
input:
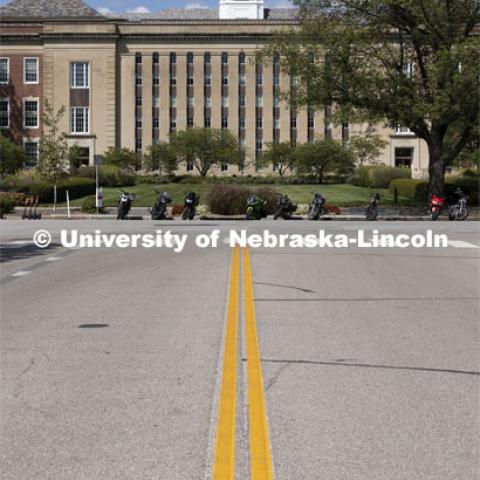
{"type": "Point", "coordinates": [79, 116]}
{"type": "Point", "coordinates": [79, 72]}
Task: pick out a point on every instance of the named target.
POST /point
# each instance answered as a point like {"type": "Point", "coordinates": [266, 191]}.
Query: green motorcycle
{"type": "Point", "coordinates": [256, 208]}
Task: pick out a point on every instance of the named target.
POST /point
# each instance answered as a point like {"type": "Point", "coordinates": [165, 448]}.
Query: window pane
{"type": "Point", "coordinates": [31, 150]}
{"type": "Point", "coordinates": [4, 70]}
{"type": "Point", "coordinates": [31, 113]}
{"type": "Point", "coordinates": [31, 67]}
{"type": "Point", "coordinates": [4, 120]}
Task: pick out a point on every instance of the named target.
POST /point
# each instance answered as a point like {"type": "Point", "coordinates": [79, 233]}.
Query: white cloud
{"type": "Point", "coordinates": [140, 9]}
{"type": "Point", "coordinates": [105, 11]}
{"type": "Point", "coordinates": [195, 5]}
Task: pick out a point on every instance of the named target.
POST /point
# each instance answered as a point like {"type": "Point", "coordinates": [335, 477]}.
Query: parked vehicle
{"type": "Point", "coordinates": [124, 204]}
{"type": "Point", "coordinates": [285, 208]}
{"type": "Point", "coordinates": [371, 213]}
{"type": "Point", "coordinates": [459, 211]}
{"type": "Point", "coordinates": [191, 201]}
{"type": "Point", "coordinates": [316, 209]}
{"type": "Point", "coordinates": [256, 208]}
{"type": "Point", "coordinates": [435, 206]}
{"type": "Point", "coordinates": [159, 209]}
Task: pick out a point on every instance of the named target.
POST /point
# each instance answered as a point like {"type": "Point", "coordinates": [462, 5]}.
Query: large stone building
{"type": "Point", "coordinates": [129, 80]}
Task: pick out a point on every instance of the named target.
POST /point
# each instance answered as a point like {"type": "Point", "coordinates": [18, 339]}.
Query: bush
{"type": "Point", "coordinates": [89, 205]}
{"type": "Point", "coordinates": [468, 172]}
{"type": "Point", "coordinates": [232, 199]}
{"type": "Point", "coordinates": [109, 176]}
{"type": "Point", "coordinates": [7, 203]}
{"type": "Point", "coordinates": [406, 187]}
{"type": "Point", "coordinates": [77, 188]}
{"type": "Point", "coordinates": [378, 176]}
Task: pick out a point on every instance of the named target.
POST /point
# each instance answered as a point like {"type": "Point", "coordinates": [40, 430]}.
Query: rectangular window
{"type": "Point", "coordinates": [224, 122]}
{"type": "Point", "coordinates": [208, 122]}
{"type": "Point", "coordinates": [173, 123]}
{"type": "Point", "coordinates": [79, 75]}
{"type": "Point", "coordinates": [293, 122]}
{"type": "Point", "coordinates": [276, 79]}
{"type": "Point", "coordinates": [224, 101]}
{"type": "Point", "coordinates": [191, 101]}
{"type": "Point", "coordinates": [276, 58]}
{"type": "Point", "coordinates": [225, 80]}
{"type": "Point", "coordinates": [156, 80]}
{"type": "Point", "coordinates": [276, 101]}
{"type": "Point", "coordinates": [190, 80]}
{"type": "Point", "coordinates": [4, 113]}
{"type": "Point", "coordinates": [243, 143]}
{"type": "Point", "coordinates": [138, 101]}
{"type": "Point", "coordinates": [31, 151]}
{"type": "Point", "coordinates": [138, 123]}
{"type": "Point", "coordinates": [30, 113]}
{"type": "Point", "coordinates": [4, 70]}
{"type": "Point", "coordinates": [276, 123]}
{"type": "Point", "coordinates": [30, 70]}
{"type": "Point", "coordinates": [241, 100]}
{"type": "Point", "coordinates": [241, 58]}
{"type": "Point", "coordinates": [138, 58]}
{"type": "Point", "coordinates": [173, 58]}
{"type": "Point", "coordinates": [156, 122]}
{"type": "Point", "coordinates": [208, 58]}
{"type": "Point", "coordinates": [224, 167]}
{"type": "Point", "coordinates": [258, 145]}
{"type": "Point", "coordinates": [138, 80]}
{"type": "Point", "coordinates": [156, 102]}
{"type": "Point", "coordinates": [403, 156]}
{"type": "Point", "coordinates": [79, 119]}
{"type": "Point", "coordinates": [311, 121]}
{"type": "Point", "coordinates": [173, 101]}
{"type": "Point", "coordinates": [189, 122]}
{"type": "Point", "coordinates": [138, 144]}
{"type": "Point", "coordinates": [259, 101]}
{"type": "Point", "coordinates": [190, 58]}
{"type": "Point", "coordinates": [208, 101]}
{"type": "Point", "coordinates": [189, 165]}
{"type": "Point", "coordinates": [242, 79]}
{"type": "Point", "coordinates": [259, 122]}
{"type": "Point", "coordinates": [259, 78]}
{"type": "Point", "coordinates": [242, 122]}
{"type": "Point", "coordinates": [173, 80]}
{"type": "Point", "coordinates": [156, 58]}
{"type": "Point", "coordinates": [208, 79]}
{"type": "Point", "coordinates": [224, 58]}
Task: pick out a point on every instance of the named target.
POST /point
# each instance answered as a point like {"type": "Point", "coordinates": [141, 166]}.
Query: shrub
{"type": "Point", "coordinates": [89, 205]}
{"type": "Point", "coordinates": [468, 172]}
{"type": "Point", "coordinates": [378, 176]}
{"type": "Point", "coordinates": [7, 203]}
{"type": "Point", "coordinates": [232, 199]}
{"type": "Point", "coordinates": [177, 209]}
{"type": "Point", "coordinates": [109, 176]}
{"type": "Point", "coordinates": [406, 187]}
{"type": "Point", "coordinates": [77, 188]}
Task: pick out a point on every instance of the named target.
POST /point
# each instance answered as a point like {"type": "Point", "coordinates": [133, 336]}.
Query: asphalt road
{"type": "Point", "coordinates": [113, 360]}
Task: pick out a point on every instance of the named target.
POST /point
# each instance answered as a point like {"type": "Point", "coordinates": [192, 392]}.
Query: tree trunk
{"type": "Point", "coordinates": [436, 171]}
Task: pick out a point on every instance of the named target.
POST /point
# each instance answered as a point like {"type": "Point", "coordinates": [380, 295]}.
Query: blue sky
{"type": "Point", "coordinates": [155, 5]}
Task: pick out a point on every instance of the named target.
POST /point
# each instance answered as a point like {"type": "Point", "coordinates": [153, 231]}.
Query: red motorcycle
{"type": "Point", "coordinates": [435, 207]}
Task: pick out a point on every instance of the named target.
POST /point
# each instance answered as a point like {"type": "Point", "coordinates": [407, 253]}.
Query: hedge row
{"type": "Point", "coordinates": [109, 176]}
{"type": "Point", "coordinates": [419, 189]}
{"type": "Point", "coordinates": [7, 203]}
{"type": "Point", "coordinates": [377, 176]}
{"type": "Point", "coordinates": [232, 199]}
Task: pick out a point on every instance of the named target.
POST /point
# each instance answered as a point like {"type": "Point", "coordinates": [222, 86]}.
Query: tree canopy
{"type": "Point", "coordinates": [12, 157]}
{"type": "Point", "coordinates": [281, 156]}
{"type": "Point", "coordinates": [413, 63]}
{"type": "Point", "coordinates": [161, 157]}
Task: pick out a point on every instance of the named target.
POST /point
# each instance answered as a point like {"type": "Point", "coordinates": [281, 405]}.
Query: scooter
{"type": "Point", "coordinates": [124, 204]}
{"type": "Point", "coordinates": [191, 201]}
{"type": "Point", "coordinates": [435, 206]}
{"type": "Point", "coordinates": [159, 210]}
{"type": "Point", "coordinates": [256, 208]}
{"type": "Point", "coordinates": [371, 212]}
{"type": "Point", "coordinates": [459, 211]}
{"type": "Point", "coordinates": [285, 208]}
{"type": "Point", "coordinates": [316, 210]}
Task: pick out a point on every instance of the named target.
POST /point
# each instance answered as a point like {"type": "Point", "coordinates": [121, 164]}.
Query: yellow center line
{"type": "Point", "coordinates": [260, 457]}
{"type": "Point", "coordinates": [224, 460]}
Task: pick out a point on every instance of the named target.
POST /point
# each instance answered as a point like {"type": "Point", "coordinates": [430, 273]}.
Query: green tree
{"type": "Point", "coordinates": [323, 157]}
{"type": "Point", "coordinates": [121, 157]}
{"type": "Point", "coordinates": [12, 157]}
{"type": "Point", "coordinates": [281, 156]}
{"type": "Point", "coordinates": [53, 150]}
{"type": "Point", "coordinates": [413, 63]}
{"type": "Point", "coordinates": [366, 148]}
{"type": "Point", "coordinates": [161, 157]}
{"type": "Point", "coordinates": [207, 147]}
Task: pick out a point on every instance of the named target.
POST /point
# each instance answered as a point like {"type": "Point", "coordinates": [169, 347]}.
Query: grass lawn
{"type": "Point", "coordinates": [338, 194]}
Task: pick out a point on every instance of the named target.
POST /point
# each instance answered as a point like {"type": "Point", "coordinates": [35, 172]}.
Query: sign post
{"type": "Point", "coordinates": [98, 190]}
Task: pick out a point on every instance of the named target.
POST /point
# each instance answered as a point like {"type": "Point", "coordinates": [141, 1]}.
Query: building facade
{"type": "Point", "coordinates": [131, 80]}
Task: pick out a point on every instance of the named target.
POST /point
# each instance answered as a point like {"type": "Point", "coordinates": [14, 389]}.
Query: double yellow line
{"type": "Point", "coordinates": [260, 457]}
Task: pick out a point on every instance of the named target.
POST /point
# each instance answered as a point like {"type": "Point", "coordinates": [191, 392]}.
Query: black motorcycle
{"type": "Point", "coordinates": [124, 204]}
{"type": "Point", "coordinates": [371, 213]}
{"type": "Point", "coordinates": [459, 211]}
{"type": "Point", "coordinates": [316, 209]}
{"type": "Point", "coordinates": [159, 209]}
{"type": "Point", "coordinates": [256, 208]}
{"type": "Point", "coordinates": [191, 201]}
{"type": "Point", "coordinates": [285, 208]}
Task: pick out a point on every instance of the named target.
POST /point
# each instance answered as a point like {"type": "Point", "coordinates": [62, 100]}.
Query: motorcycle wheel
{"type": "Point", "coordinates": [461, 214]}
{"type": "Point", "coordinates": [371, 214]}
{"type": "Point", "coordinates": [277, 214]}
{"type": "Point", "coordinates": [435, 214]}
{"type": "Point", "coordinates": [186, 214]}
{"type": "Point", "coordinates": [313, 214]}
{"type": "Point", "coordinates": [452, 214]}
{"type": "Point", "coordinates": [193, 211]}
